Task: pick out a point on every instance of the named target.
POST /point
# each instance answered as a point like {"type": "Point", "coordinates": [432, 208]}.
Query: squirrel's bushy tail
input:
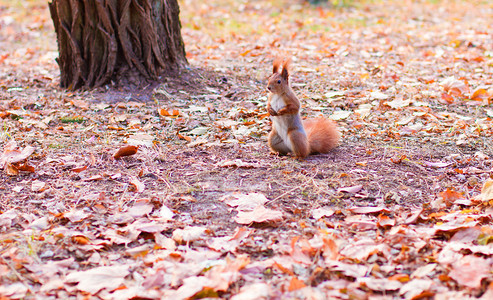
{"type": "Point", "coordinates": [323, 134]}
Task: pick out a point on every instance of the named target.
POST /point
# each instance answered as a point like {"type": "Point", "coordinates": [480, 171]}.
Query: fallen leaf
{"type": "Point", "coordinates": [486, 191]}
{"type": "Point", "coordinates": [424, 271]}
{"type": "Point", "coordinates": [94, 280]}
{"type": "Point", "coordinates": [377, 95]}
{"type": "Point", "coordinates": [450, 196]}
{"type": "Point", "coordinates": [137, 184]}
{"type": "Point", "coordinates": [340, 115]}
{"type": "Point", "coordinates": [447, 99]}
{"type": "Point", "coordinates": [79, 169]}
{"type": "Point", "coordinates": [295, 284]}
{"type": "Point", "coordinates": [16, 290]}
{"type": "Point", "coordinates": [165, 213]}
{"type": "Point", "coordinates": [385, 222]}
{"type": "Point", "coordinates": [470, 270]}
{"type": "Point", "coordinates": [76, 215]}
{"type": "Point", "coordinates": [479, 94]}
{"type": "Point", "coordinates": [93, 178]}
{"type": "Point", "coordinates": [380, 284]}
{"type": "Point", "coordinates": [259, 214]}
{"type": "Point", "coordinates": [350, 189]}
{"type": "Point", "coordinates": [368, 210]}
{"type": "Point", "coordinates": [322, 212]}
{"type": "Point", "coordinates": [140, 208]}
{"type": "Point", "coordinates": [188, 234]}
{"type": "Point", "coordinates": [454, 86]}
{"type": "Point", "coordinates": [237, 163]}
{"type": "Point", "coordinates": [221, 276]}
{"type": "Point", "coordinates": [253, 291]}
{"type": "Point", "coordinates": [415, 287]}
{"type": "Point", "coordinates": [11, 154]}
{"type": "Point", "coordinates": [398, 103]}
{"type": "Point", "coordinates": [362, 249]}
{"type": "Point", "coordinates": [38, 186]}
{"type": "Point", "coordinates": [245, 201]}
{"type": "Point", "coordinates": [436, 164]}
{"type": "Point", "coordinates": [125, 151]}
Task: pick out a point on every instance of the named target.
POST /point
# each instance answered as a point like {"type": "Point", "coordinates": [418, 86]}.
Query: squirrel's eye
{"type": "Point", "coordinates": [279, 82]}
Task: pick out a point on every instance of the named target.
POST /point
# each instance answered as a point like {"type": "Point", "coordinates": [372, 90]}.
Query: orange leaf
{"type": "Point", "coordinates": [295, 284]}
{"type": "Point", "coordinates": [175, 112]}
{"type": "Point", "coordinates": [385, 222]}
{"type": "Point", "coordinates": [447, 98]}
{"type": "Point", "coordinates": [163, 112]}
{"type": "Point", "coordinates": [79, 169]}
{"type": "Point", "coordinates": [283, 269]}
{"type": "Point", "coordinates": [25, 167]}
{"type": "Point", "coordinates": [184, 137]}
{"type": "Point", "coordinates": [449, 196]}
{"type": "Point", "coordinates": [11, 170]}
{"type": "Point", "coordinates": [246, 52]}
{"type": "Point", "coordinates": [479, 94]}
{"type": "Point", "coordinates": [81, 240]}
{"type": "Point", "coordinates": [125, 151]}
{"type": "Point", "coordinates": [400, 277]}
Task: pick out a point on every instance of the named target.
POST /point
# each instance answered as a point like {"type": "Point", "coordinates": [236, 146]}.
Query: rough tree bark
{"type": "Point", "coordinates": [103, 40]}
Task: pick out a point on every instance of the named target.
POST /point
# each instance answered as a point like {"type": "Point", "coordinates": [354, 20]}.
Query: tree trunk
{"type": "Point", "coordinates": [101, 40]}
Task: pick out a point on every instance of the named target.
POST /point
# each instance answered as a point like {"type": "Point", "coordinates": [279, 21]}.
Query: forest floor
{"type": "Point", "coordinates": [402, 208]}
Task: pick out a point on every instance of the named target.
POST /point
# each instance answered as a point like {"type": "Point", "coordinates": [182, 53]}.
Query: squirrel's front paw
{"type": "Point", "coordinates": [272, 112]}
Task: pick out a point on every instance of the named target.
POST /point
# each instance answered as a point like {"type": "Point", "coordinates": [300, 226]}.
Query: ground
{"type": "Point", "coordinates": [402, 208]}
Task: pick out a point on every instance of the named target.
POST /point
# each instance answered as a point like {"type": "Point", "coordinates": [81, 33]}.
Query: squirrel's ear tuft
{"type": "Point", "coordinates": [285, 69]}
{"type": "Point", "coordinates": [276, 65]}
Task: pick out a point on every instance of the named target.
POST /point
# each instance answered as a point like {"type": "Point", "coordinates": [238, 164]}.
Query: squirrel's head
{"type": "Point", "coordinates": [278, 81]}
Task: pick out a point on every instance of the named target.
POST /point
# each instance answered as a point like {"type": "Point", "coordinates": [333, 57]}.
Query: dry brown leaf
{"type": "Point", "coordinates": [25, 167]}
{"type": "Point", "coordinates": [454, 86]}
{"type": "Point", "coordinates": [94, 280]}
{"type": "Point", "coordinates": [11, 170]}
{"type": "Point", "coordinates": [368, 210]}
{"type": "Point", "coordinates": [447, 99]}
{"type": "Point", "coordinates": [362, 249]}
{"type": "Point", "coordinates": [322, 212]}
{"type": "Point", "coordinates": [416, 287]}
{"type": "Point", "coordinates": [295, 284]}
{"type": "Point", "coordinates": [79, 169]}
{"type": "Point", "coordinates": [93, 178]}
{"type": "Point", "coordinates": [16, 290]}
{"type": "Point", "coordinates": [38, 186]}
{"type": "Point", "coordinates": [385, 222]}
{"type": "Point", "coordinates": [486, 191]}
{"type": "Point", "coordinates": [350, 189]}
{"type": "Point", "coordinates": [80, 239]}
{"type": "Point", "coordinates": [138, 186]}
{"type": "Point", "coordinates": [470, 270]}
{"type": "Point", "coordinates": [380, 284]}
{"type": "Point", "coordinates": [253, 291]}
{"type": "Point", "coordinates": [188, 234]}
{"type": "Point", "coordinates": [259, 214]}
{"type": "Point", "coordinates": [11, 158]}
{"type": "Point", "coordinates": [76, 215]}
{"type": "Point", "coordinates": [245, 201]}
{"type": "Point", "coordinates": [125, 151]}
{"type": "Point", "coordinates": [237, 163]}
{"type": "Point", "coordinates": [479, 94]}
{"type": "Point", "coordinates": [221, 276]}
{"type": "Point", "coordinates": [140, 208]}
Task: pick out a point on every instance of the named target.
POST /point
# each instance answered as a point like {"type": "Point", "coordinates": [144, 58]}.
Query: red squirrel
{"type": "Point", "coordinates": [289, 133]}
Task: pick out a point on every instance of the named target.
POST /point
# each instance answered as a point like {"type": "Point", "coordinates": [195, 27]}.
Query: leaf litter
{"type": "Point", "coordinates": [401, 209]}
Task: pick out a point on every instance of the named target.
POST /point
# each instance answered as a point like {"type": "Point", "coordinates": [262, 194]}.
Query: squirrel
{"type": "Point", "coordinates": [289, 133]}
